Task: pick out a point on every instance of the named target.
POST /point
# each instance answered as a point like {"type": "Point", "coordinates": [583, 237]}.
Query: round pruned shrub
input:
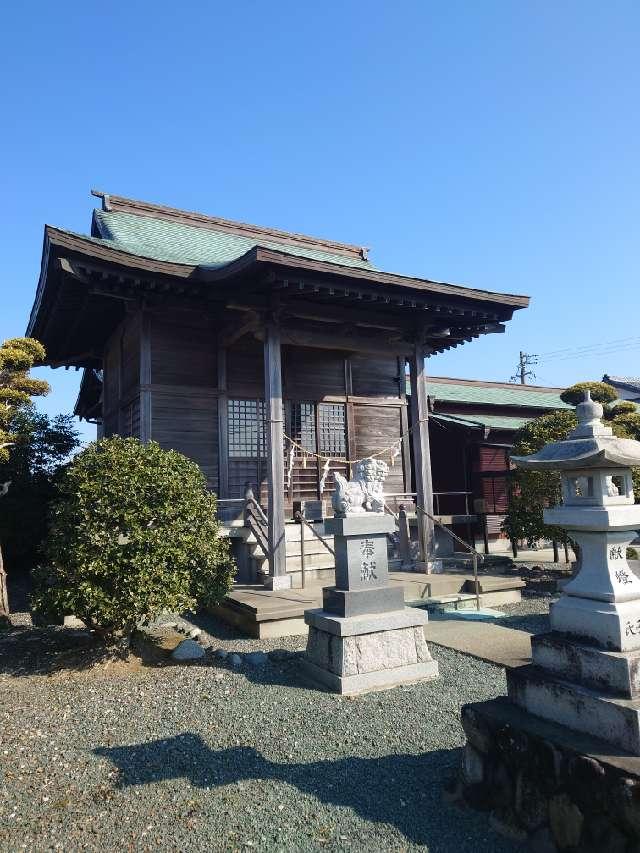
{"type": "Point", "coordinates": [133, 533]}
{"type": "Point", "coordinates": [600, 391]}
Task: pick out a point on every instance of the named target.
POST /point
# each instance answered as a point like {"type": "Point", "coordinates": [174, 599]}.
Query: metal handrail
{"type": "Point", "coordinates": [303, 521]}
{"type": "Point", "coordinates": [474, 554]}
{"type": "Point", "coordinates": [436, 495]}
{"type": "Point", "coordinates": [450, 532]}
{"type": "Point", "coordinates": [299, 517]}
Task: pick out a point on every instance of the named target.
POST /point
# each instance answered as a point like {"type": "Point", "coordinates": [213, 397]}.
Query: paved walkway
{"type": "Point", "coordinates": [494, 643]}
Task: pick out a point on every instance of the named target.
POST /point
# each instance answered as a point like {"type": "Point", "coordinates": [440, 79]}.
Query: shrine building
{"type": "Point", "coordinates": [270, 358]}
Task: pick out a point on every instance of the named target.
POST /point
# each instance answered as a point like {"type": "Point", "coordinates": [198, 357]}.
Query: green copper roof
{"type": "Point", "coordinates": [493, 395]}
{"type": "Point", "coordinates": [490, 421]}
{"type": "Point", "coordinates": [178, 243]}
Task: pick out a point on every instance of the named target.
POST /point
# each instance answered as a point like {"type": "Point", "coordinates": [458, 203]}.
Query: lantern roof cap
{"type": "Point", "coordinates": [591, 444]}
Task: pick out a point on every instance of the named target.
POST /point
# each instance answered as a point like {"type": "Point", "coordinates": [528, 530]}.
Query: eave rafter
{"type": "Point", "coordinates": [109, 282]}
{"type": "Point", "coordinates": [381, 296]}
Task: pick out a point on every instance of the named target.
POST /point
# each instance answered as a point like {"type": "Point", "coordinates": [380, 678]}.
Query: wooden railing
{"type": "Point", "coordinates": [303, 522]}
{"type": "Point", "coordinates": [256, 520]}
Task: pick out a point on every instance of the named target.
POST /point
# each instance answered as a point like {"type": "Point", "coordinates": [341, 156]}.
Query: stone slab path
{"type": "Point", "coordinates": [494, 643]}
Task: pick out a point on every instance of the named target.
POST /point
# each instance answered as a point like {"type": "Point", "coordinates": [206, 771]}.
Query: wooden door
{"type": "Point", "coordinates": [318, 428]}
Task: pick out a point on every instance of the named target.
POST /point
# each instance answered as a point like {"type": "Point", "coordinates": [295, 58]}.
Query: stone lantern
{"type": "Point", "coordinates": [586, 672]}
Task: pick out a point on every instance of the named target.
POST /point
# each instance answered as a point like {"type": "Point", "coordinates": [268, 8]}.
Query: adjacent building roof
{"type": "Point", "coordinates": [477, 405]}
{"type": "Point", "coordinates": [631, 384]}
{"type": "Point", "coordinates": [482, 421]}
{"type": "Point", "coordinates": [494, 393]}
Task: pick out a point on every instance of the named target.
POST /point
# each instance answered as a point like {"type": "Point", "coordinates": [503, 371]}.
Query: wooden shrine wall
{"type": "Point", "coordinates": [121, 389]}
{"type": "Point", "coordinates": [164, 368]}
{"type": "Point", "coordinates": [184, 381]}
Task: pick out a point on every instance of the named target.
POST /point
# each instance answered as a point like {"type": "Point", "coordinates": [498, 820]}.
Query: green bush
{"type": "Point", "coordinates": [624, 407]}
{"type": "Point", "coordinates": [133, 533]}
{"type": "Point", "coordinates": [42, 446]}
{"type": "Point", "coordinates": [600, 391]}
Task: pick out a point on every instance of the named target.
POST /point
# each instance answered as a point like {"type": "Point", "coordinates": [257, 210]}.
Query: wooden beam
{"type": "Point", "coordinates": [404, 426]}
{"type": "Point", "coordinates": [278, 578]}
{"type": "Point", "coordinates": [421, 453]}
{"type": "Point", "coordinates": [318, 311]}
{"type": "Point", "coordinates": [232, 333]}
{"type": "Point", "coordinates": [145, 377]}
{"type": "Point", "coordinates": [223, 425]}
{"type": "Point", "coordinates": [336, 341]}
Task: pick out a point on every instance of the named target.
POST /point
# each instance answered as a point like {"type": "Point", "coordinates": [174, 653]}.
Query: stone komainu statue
{"type": "Point", "coordinates": [362, 494]}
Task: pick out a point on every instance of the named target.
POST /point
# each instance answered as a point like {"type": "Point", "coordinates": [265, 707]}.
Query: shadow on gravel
{"type": "Point", "coordinates": [402, 790]}
{"type": "Point", "coordinates": [44, 651]}
{"type": "Point", "coordinates": [534, 623]}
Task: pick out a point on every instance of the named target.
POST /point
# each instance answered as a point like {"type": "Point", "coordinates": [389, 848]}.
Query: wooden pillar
{"type": "Point", "coordinates": [223, 424]}
{"type": "Point", "coordinates": [421, 453]}
{"type": "Point", "coordinates": [145, 376]}
{"type": "Point", "coordinates": [278, 578]}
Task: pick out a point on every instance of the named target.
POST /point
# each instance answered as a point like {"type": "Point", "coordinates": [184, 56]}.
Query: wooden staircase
{"type": "Point", "coordinates": [319, 562]}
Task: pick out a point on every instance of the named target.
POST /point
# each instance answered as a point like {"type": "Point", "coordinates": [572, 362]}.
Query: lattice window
{"type": "Point", "coordinates": [246, 429]}
{"type": "Point", "coordinates": [332, 433]}
{"type": "Point", "coordinates": [303, 425]}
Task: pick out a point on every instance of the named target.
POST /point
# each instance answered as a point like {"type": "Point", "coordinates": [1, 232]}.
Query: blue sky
{"type": "Point", "coordinates": [493, 144]}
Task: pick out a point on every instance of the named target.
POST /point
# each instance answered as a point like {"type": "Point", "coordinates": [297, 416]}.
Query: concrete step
{"type": "Point", "coordinates": [311, 546]}
{"type": "Point", "coordinates": [444, 584]}
{"type": "Point", "coordinates": [313, 576]}
{"type": "Point", "coordinates": [449, 603]}
{"type": "Point", "coordinates": [578, 707]}
{"type": "Point", "coordinates": [292, 532]}
{"type": "Point", "coordinates": [312, 561]}
{"type": "Point", "coordinates": [494, 584]}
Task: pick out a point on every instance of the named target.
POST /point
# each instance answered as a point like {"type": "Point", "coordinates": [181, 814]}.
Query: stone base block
{"type": "Point", "coordinates": [579, 708]}
{"type": "Point", "coordinates": [564, 790]}
{"type": "Point", "coordinates": [367, 682]}
{"type": "Point", "coordinates": [277, 582]}
{"type": "Point", "coordinates": [367, 623]}
{"type": "Point", "coordinates": [357, 602]}
{"type": "Point", "coordinates": [608, 625]}
{"type": "Point", "coordinates": [600, 669]}
{"type": "Point", "coordinates": [389, 649]}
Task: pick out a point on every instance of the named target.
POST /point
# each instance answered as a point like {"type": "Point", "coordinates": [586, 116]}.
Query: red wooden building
{"type": "Point", "coordinates": [472, 426]}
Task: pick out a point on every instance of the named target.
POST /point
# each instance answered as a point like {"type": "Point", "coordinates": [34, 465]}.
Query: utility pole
{"type": "Point", "coordinates": [527, 359]}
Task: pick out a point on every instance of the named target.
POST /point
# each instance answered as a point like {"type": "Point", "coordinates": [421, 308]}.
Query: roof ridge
{"type": "Point", "coordinates": [482, 383]}
{"type": "Point", "coordinates": [116, 203]}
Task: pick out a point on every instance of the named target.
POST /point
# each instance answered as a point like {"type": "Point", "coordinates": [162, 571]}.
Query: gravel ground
{"type": "Point", "coordinates": [531, 614]}
{"type": "Point", "coordinates": [98, 754]}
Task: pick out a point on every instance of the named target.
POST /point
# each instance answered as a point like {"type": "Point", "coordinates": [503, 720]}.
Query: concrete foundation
{"type": "Point", "coordinates": [357, 654]}
{"type": "Point", "coordinates": [547, 785]}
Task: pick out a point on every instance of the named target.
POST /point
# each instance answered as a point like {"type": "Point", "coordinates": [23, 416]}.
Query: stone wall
{"type": "Point", "coordinates": [557, 789]}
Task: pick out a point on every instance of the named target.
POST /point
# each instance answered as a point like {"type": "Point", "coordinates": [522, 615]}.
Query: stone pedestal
{"type": "Point", "coordinates": [585, 673]}
{"type": "Point", "coordinates": [364, 638]}
{"type": "Point", "coordinates": [580, 696]}
{"type": "Point", "coordinates": [542, 781]}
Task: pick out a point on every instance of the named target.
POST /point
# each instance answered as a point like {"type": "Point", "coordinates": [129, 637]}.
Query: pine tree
{"type": "Point", "coordinates": [17, 357]}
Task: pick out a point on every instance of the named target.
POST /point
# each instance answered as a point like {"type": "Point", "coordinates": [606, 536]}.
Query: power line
{"type": "Point", "coordinates": [594, 353]}
{"type": "Point", "coordinates": [559, 352]}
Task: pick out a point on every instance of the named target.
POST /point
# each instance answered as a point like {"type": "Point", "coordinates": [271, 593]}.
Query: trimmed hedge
{"type": "Point", "coordinates": [133, 533]}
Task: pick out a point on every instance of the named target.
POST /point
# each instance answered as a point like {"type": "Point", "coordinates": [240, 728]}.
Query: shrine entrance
{"type": "Point", "coordinates": [319, 444]}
